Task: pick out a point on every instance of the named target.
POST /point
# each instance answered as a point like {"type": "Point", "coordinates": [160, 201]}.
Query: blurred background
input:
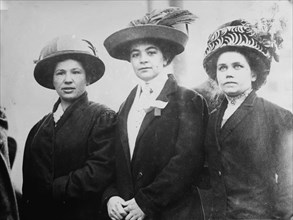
{"type": "Point", "coordinates": [26, 26]}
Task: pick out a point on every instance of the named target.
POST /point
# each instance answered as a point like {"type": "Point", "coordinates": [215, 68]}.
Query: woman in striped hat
{"type": "Point", "coordinates": [249, 140]}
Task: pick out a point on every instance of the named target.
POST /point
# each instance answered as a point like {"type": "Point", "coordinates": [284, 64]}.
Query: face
{"type": "Point", "coordinates": [69, 80]}
{"type": "Point", "coordinates": [147, 60]}
{"type": "Point", "coordinates": [234, 74]}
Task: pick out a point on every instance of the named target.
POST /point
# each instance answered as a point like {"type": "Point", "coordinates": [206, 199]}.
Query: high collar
{"type": "Point", "coordinates": [237, 100]}
{"type": "Point", "coordinates": [156, 84]}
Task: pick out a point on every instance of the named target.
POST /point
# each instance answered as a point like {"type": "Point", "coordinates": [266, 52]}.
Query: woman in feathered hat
{"type": "Point", "coordinates": [160, 132]}
{"type": "Point", "coordinates": [249, 140]}
{"type": "Point", "coordinates": [68, 153]}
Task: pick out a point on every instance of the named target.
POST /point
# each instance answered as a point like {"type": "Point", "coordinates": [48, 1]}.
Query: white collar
{"type": "Point", "coordinates": [155, 84]}
{"type": "Point", "coordinates": [58, 113]}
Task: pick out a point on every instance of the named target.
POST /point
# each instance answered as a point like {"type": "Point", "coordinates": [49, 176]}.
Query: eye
{"type": "Point", "coordinates": [151, 52]}
{"type": "Point", "coordinates": [59, 72]}
{"type": "Point", "coordinates": [237, 66]}
{"type": "Point", "coordinates": [134, 54]}
{"type": "Point", "coordinates": [222, 68]}
{"type": "Point", "coordinates": [76, 71]}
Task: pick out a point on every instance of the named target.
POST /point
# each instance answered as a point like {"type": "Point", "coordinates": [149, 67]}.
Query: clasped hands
{"type": "Point", "coordinates": [119, 209]}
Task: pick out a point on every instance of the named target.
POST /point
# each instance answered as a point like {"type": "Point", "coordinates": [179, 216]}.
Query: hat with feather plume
{"type": "Point", "coordinates": [68, 47]}
{"type": "Point", "coordinates": [168, 26]}
{"type": "Point", "coordinates": [263, 38]}
{"type": "Point", "coordinates": [3, 118]}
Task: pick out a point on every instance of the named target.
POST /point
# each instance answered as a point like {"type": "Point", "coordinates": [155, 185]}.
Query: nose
{"type": "Point", "coordinates": [143, 58]}
{"type": "Point", "coordinates": [229, 73]}
{"type": "Point", "coordinates": [68, 78]}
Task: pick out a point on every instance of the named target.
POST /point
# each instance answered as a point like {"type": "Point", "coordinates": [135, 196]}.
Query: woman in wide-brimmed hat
{"type": "Point", "coordinates": [249, 140]}
{"type": "Point", "coordinates": [68, 153]}
{"type": "Point", "coordinates": [160, 132]}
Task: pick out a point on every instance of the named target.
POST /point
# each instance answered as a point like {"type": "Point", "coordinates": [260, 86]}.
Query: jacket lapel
{"type": "Point", "coordinates": [244, 109]}
{"type": "Point", "coordinates": [123, 115]}
{"type": "Point", "coordinates": [75, 108]}
{"type": "Point", "coordinates": [169, 87]}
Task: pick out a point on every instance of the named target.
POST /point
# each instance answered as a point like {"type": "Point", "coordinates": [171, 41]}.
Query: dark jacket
{"type": "Point", "coordinates": [8, 205]}
{"type": "Point", "coordinates": [167, 158]}
{"type": "Point", "coordinates": [67, 167]}
{"type": "Point", "coordinates": [250, 161]}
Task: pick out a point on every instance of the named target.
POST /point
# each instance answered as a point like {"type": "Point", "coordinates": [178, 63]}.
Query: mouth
{"type": "Point", "coordinates": [227, 83]}
{"type": "Point", "coordinates": [68, 89]}
{"type": "Point", "coordinates": [144, 68]}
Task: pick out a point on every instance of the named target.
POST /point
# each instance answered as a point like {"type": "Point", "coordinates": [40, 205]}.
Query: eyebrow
{"type": "Point", "coordinates": [221, 64]}
{"type": "Point", "coordinates": [148, 48]}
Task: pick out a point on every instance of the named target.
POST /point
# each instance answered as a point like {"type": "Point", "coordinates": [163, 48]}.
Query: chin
{"type": "Point", "coordinates": [231, 92]}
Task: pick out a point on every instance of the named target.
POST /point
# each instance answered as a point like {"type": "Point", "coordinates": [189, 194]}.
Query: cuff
{"type": "Point", "coordinates": [145, 204]}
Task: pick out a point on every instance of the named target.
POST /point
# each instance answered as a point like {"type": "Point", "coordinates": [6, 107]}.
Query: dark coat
{"type": "Point", "coordinates": [167, 158]}
{"type": "Point", "coordinates": [250, 161]}
{"type": "Point", "coordinates": [66, 168]}
{"type": "Point", "coordinates": [8, 205]}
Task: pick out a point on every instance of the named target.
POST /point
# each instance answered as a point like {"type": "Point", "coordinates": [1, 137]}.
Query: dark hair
{"type": "Point", "coordinates": [167, 50]}
{"type": "Point", "coordinates": [259, 64]}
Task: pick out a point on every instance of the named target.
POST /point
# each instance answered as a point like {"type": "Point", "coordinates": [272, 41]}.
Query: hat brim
{"type": "Point", "coordinates": [44, 69]}
{"type": "Point", "coordinates": [118, 44]}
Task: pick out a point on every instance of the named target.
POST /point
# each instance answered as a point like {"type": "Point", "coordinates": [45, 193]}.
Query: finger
{"type": "Point", "coordinates": [127, 209]}
{"type": "Point", "coordinates": [113, 217]}
{"type": "Point", "coordinates": [117, 215]}
{"type": "Point", "coordinates": [121, 211]}
{"type": "Point", "coordinates": [124, 203]}
{"type": "Point", "coordinates": [129, 216]}
{"type": "Point", "coordinates": [134, 217]}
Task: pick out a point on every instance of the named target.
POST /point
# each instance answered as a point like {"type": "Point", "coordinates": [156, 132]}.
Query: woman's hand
{"type": "Point", "coordinates": [134, 211]}
{"type": "Point", "coordinates": [115, 209]}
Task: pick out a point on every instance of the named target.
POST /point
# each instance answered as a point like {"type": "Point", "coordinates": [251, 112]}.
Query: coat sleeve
{"type": "Point", "coordinates": [97, 171]}
{"type": "Point", "coordinates": [185, 165]}
{"type": "Point", "coordinates": [111, 189]}
{"type": "Point", "coordinates": [282, 160]}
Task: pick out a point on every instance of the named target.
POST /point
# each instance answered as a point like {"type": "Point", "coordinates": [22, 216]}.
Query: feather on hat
{"type": "Point", "coordinates": [260, 37]}
{"type": "Point", "coordinates": [168, 25]}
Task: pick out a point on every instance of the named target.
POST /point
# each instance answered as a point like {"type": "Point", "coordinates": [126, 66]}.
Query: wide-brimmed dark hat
{"type": "Point", "coordinates": [67, 47]}
{"type": "Point", "coordinates": [168, 26]}
{"type": "Point", "coordinates": [241, 34]}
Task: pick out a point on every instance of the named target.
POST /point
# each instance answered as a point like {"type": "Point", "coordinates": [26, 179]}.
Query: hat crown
{"type": "Point", "coordinates": [236, 33]}
{"type": "Point", "coordinates": [167, 26]}
{"type": "Point", "coordinates": [67, 47]}
{"type": "Point", "coordinates": [65, 44]}
{"type": "Point", "coordinates": [171, 17]}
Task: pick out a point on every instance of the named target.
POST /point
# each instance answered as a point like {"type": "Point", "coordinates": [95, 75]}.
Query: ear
{"type": "Point", "coordinates": [253, 76]}
{"type": "Point", "coordinates": [165, 62]}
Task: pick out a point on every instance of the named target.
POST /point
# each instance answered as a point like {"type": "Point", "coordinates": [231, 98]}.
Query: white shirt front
{"type": "Point", "coordinates": [140, 106]}
{"type": "Point", "coordinates": [58, 114]}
